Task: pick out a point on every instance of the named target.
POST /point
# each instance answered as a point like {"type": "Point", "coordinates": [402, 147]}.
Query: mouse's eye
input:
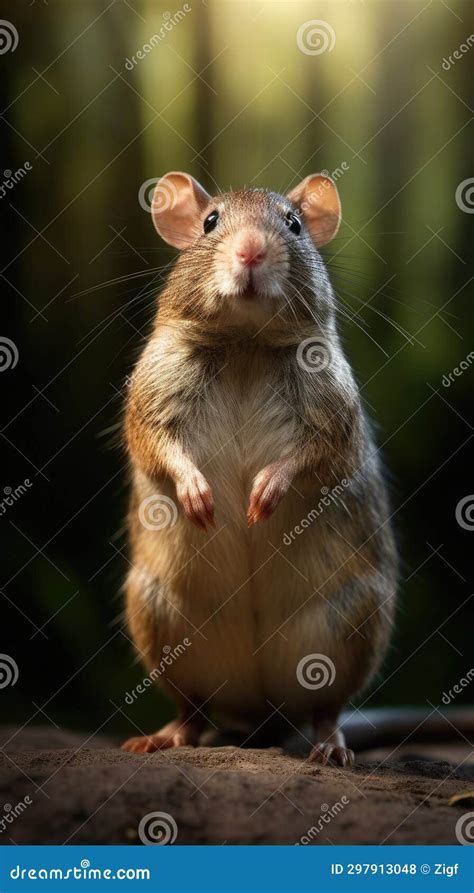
{"type": "Point", "coordinates": [293, 222]}
{"type": "Point", "coordinates": [211, 221]}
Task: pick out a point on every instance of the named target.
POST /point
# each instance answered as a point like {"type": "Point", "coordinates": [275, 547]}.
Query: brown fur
{"type": "Point", "coordinates": [219, 412]}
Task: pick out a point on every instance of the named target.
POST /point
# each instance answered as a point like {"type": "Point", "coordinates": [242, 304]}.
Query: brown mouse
{"type": "Point", "coordinates": [259, 522]}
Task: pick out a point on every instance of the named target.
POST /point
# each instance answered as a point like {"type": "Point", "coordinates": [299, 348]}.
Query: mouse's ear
{"type": "Point", "coordinates": [176, 208]}
{"type": "Point", "coordinates": [318, 200]}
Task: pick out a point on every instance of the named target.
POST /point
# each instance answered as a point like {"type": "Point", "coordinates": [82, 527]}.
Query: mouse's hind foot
{"type": "Point", "coordinates": [330, 749]}
{"type": "Point", "coordinates": [177, 733]}
{"type": "Point", "coordinates": [327, 754]}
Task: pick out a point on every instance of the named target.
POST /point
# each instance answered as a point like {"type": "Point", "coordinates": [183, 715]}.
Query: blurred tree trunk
{"type": "Point", "coordinates": [202, 125]}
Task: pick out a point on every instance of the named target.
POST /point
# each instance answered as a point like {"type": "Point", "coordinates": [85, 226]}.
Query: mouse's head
{"type": "Point", "coordinates": [251, 254]}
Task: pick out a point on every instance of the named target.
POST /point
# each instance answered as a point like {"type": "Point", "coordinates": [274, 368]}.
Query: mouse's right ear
{"type": "Point", "coordinates": [176, 208]}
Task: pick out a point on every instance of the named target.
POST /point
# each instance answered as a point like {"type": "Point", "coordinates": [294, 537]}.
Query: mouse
{"type": "Point", "coordinates": [263, 566]}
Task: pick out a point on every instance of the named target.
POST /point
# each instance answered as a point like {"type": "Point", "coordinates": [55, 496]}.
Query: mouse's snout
{"type": "Point", "coordinates": [252, 260]}
{"type": "Point", "coordinates": [250, 247]}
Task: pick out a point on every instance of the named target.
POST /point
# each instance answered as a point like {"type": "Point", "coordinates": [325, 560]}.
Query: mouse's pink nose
{"type": "Point", "coordinates": [250, 248]}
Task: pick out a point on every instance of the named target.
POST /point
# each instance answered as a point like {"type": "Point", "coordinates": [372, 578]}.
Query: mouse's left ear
{"type": "Point", "coordinates": [176, 208]}
{"type": "Point", "coordinates": [317, 199]}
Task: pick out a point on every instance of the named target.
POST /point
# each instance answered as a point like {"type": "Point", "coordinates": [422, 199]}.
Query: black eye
{"type": "Point", "coordinates": [211, 221]}
{"type": "Point", "coordinates": [293, 223]}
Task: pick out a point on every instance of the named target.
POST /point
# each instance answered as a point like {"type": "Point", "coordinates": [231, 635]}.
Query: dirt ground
{"type": "Point", "coordinates": [90, 792]}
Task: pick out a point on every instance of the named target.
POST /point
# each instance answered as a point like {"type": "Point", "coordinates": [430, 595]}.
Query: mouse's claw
{"type": "Point", "coordinates": [195, 496]}
{"type": "Point", "coordinates": [269, 488]}
{"type": "Point", "coordinates": [328, 754]}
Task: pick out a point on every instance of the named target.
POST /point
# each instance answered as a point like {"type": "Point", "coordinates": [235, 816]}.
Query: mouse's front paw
{"type": "Point", "coordinates": [195, 496]}
{"type": "Point", "coordinates": [269, 488]}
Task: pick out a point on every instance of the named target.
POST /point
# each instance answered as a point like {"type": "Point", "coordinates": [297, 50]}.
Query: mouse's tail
{"type": "Point", "coordinates": [404, 725]}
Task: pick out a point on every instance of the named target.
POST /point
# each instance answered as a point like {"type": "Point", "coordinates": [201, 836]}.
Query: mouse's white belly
{"type": "Point", "coordinates": [249, 615]}
{"type": "Point", "coordinates": [242, 598]}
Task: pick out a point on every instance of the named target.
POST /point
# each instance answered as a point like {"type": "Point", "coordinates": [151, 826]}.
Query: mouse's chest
{"type": "Point", "coordinates": [246, 420]}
